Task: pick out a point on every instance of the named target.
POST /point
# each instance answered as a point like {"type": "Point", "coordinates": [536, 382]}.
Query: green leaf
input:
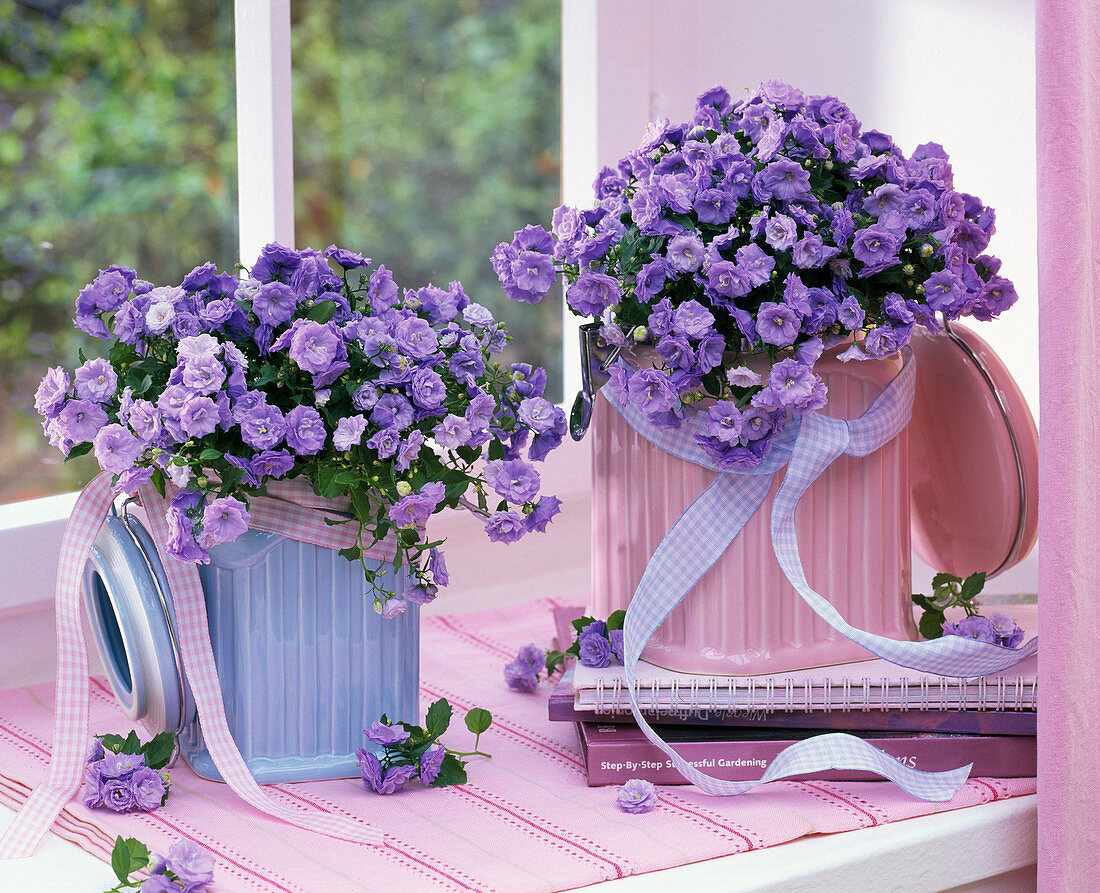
{"type": "Point", "coordinates": [467, 453]}
{"type": "Point", "coordinates": [452, 771]}
{"type": "Point", "coordinates": [496, 450]}
{"type": "Point", "coordinates": [159, 750]}
{"type": "Point", "coordinates": [616, 619]}
{"type": "Point", "coordinates": [555, 660]}
{"type": "Point", "coordinates": [581, 622]}
{"type": "Point", "coordinates": [210, 455]}
{"type": "Point", "coordinates": [352, 553]}
{"type": "Point", "coordinates": [128, 856]}
{"type": "Point", "coordinates": [943, 578]}
{"type": "Point", "coordinates": [327, 485]}
{"type": "Point", "coordinates": [931, 624]}
{"type": "Point", "coordinates": [323, 311]}
{"type": "Point", "coordinates": [922, 601]}
{"type": "Point", "coordinates": [438, 718]}
{"type": "Point", "coordinates": [79, 450]}
{"type": "Point", "coordinates": [132, 744]}
{"type": "Point", "coordinates": [112, 743]}
{"type": "Point", "coordinates": [972, 585]}
{"type": "Point", "coordinates": [478, 719]}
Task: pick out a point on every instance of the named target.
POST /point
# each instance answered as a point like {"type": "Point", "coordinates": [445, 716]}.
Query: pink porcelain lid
{"type": "Point", "coordinates": [974, 457]}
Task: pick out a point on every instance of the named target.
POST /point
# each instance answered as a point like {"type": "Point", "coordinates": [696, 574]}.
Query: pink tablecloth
{"type": "Point", "coordinates": [525, 821]}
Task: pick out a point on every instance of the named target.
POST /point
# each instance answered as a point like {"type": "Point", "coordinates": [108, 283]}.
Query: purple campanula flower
{"type": "Point", "coordinates": [727, 281]}
{"type": "Point", "coordinates": [811, 252]}
{"type": "Point", "coordinates": [650, 390]}
{"type": "Point", "coordinates": [1007, 630]}
{"type": "Point", "coordinates": [685, 252]}
{"type": "Point", "coordinates": [317, 347]}
{"type": "Point", "coordinates": [544, 511]}
{"type": "Point", "coordinates": [615, 636]}
{"type": "Point", "coordinates": [467, 366]}
{"type": "Point", "coordinates": [203, 374]}
{"type": "Point", "coordinates": [427, 389]}
{"type": "Point", "coordinates": [416, 508]}
{"type": "Point", "coordinates": [349, 432]}
{"type": "Point", "coordinates": [305, 430]}
{"type": "Point", "coordinates": [349, 260]}
{"type": "Point", "coordinates": [453, 432]}
{"type": "Point", "coordinates": [96, 381]}
{"type": "Point", "coordinates": [532, 272]}
{"type": "Point", "coordinates": [117, 795]}
{"type": "Point", "coordinates": [477, 315]}
{"type": "Point", "coordinates": [537, 413]}
{"type": "Point", "coordinates": [147, 788]}
{"type": "Point", "coordinates": [850, 314]}
{"type": "Point", "coordinates": [593, 293]}
{"type": "Point", "coordinates": [945, 292]}
{"type": "Point", "coordinates": [223, 521]}
{"type": "Point", "coordinates": [777, 324]}
{"type": "Point", "coordinates": [370, 768]}
{"type": "Point", "coordinates": [364, 397]}
{"type": "Point", "coordinates": [274, 303]}
{"type": "Point", "coordinates": [51, 393]}
{"type": "Point", "coordinates": [882, 341]}
{"type": "Point", "coordinates": [789, 384]}
{"type": "Point", "coordinates": [382, 291]}
{"type": "Point", "coordinates": [116, 449]}
{"type": "Point", "coordinates": [532, 658]}
{"type": "Point", "coordinates": [395, 779]}
{"type": "Point", "coordinates": [181, 528]}
{"type": "Point", "coordinates": [160, 315]}
{"type": "Point", "coordinates": [637, 796]}
{"type": "Point", "coordinates": [518, 677]}
{"type": "Point", "coordinates": [430, 763]}
{"type": "Point", "coordinates": [391, 607]}
{"type": "Point", "coordinates": [199, 416]}
{"type": "Point", "coordinates": [120, 765]}
{"type": "Point", "coordinates": [886, 198]}
{"type": "Point", "coordinates": [505, 527]}
{"type": "Point", "coordinates": [438, 567]}
{"type": "Point", "coordinates": [650, 280]}
{"type": "Point", "coordinates": [93, 786]}
{"type": "Point", "coordinates": [975, 627]}
{"type": "Point", "coordinates": [742, 377]}
{"type": "Point", "coordinates": [385, 442]}
{"type": "Point", "coordinates": [392, 411]}
{"type": "Point", "coordinates": [594, 649]}
{"type": "Point", "coordinates": [421, 595]}
{"type": "Point", "coordinates": [715, 206]}
{"type": "Point", "coordinates": [408, 450]}
{"type": "Point", "coordinates": [755, 263]}
{"type": "Point", "coordinates": [724, 421]}
{"type": "Point", "coordinates": [383, 734]}
{"type": "Point", "coordinates": [692, 319]}
{"type": "Point", "coordinates": [262, 427]}
{"type": "Point", "coordinates": [271, 464]}
{"type": "Point", "coordinates": [780, 232]}
{"type": "Point", "coordinates": [676, 352]}
{"type": "Point", "coordinates": [784, 180]}
{"type": "Point", "coordinates": [192, 865]}
{"type": "Point", "coordinates": [80, 420]}
{"type": "Point", "coordinates": [512, 479]}
{"type": "Point", "coordinates": [876, 248]}
{"type": "Point", "coordinates": [415, 337]}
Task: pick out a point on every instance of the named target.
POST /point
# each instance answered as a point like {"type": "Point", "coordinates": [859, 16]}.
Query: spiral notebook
{"type": "Point", "coordinates": [865, 685]}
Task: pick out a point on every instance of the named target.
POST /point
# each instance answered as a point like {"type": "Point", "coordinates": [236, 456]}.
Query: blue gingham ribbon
{"type": "Point", "coordinates": [807, 446]}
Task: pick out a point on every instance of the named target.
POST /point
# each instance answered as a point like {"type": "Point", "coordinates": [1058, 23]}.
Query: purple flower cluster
{"type": "Point", "coordinates": [187, 867]}
{"type": "Point", "coordinates": [122, 782]}
{"type": "Point", "coordinates": [522, 674]}
{"type": "Point", "coordinates": [997, 629]}
{"type": "Point", "coordinates": [599, 646]}
{"type": "Point", "coordinates": [761, 233]}
{"type": "Point", "coordinates": [219, 385]}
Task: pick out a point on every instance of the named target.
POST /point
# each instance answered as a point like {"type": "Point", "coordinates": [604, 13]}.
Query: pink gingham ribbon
{"type": "Point", "coordinates": [291, 510]}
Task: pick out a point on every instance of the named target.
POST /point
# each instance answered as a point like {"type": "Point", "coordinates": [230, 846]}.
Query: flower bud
{"type": "Point", "coordinates": [404, 488]}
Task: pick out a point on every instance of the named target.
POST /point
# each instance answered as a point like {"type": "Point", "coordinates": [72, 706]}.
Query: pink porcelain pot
{"type": "Point", "coordinates": [743, 617]}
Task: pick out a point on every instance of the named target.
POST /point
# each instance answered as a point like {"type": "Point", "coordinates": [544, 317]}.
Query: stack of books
{"type": "Point", "coordinates": [732, 727]}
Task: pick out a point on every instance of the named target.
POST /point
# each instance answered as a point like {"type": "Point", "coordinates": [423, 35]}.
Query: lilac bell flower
{"type": "Point", "coordinates": [305, 430]}
{"type": "Point", "coordinates": [116, 449]}
{"type": "Point", "coordinates": [505, 527]}
{"type": "Point", "coordinates": [594, 649]}
{"type": "Point", "coordinates": [637, 796]}
{"type": "Point", "coordinates": [430, 763]}
{"type": "Point", "coordinates": [383, 734]}
{"type": "Point", "coordinates": [223, 521]}
{"type": "Point", "coordinates": [192, 864]}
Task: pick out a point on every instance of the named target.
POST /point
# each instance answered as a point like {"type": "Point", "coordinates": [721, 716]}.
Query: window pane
{"type": "Point", "coordinates": [425, 133]}
{"type": "Point", "coordinates": [117, 146]}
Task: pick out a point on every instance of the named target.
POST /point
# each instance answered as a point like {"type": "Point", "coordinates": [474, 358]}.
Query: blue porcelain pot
{"type": "Point", "coordinates": [304, 661]}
